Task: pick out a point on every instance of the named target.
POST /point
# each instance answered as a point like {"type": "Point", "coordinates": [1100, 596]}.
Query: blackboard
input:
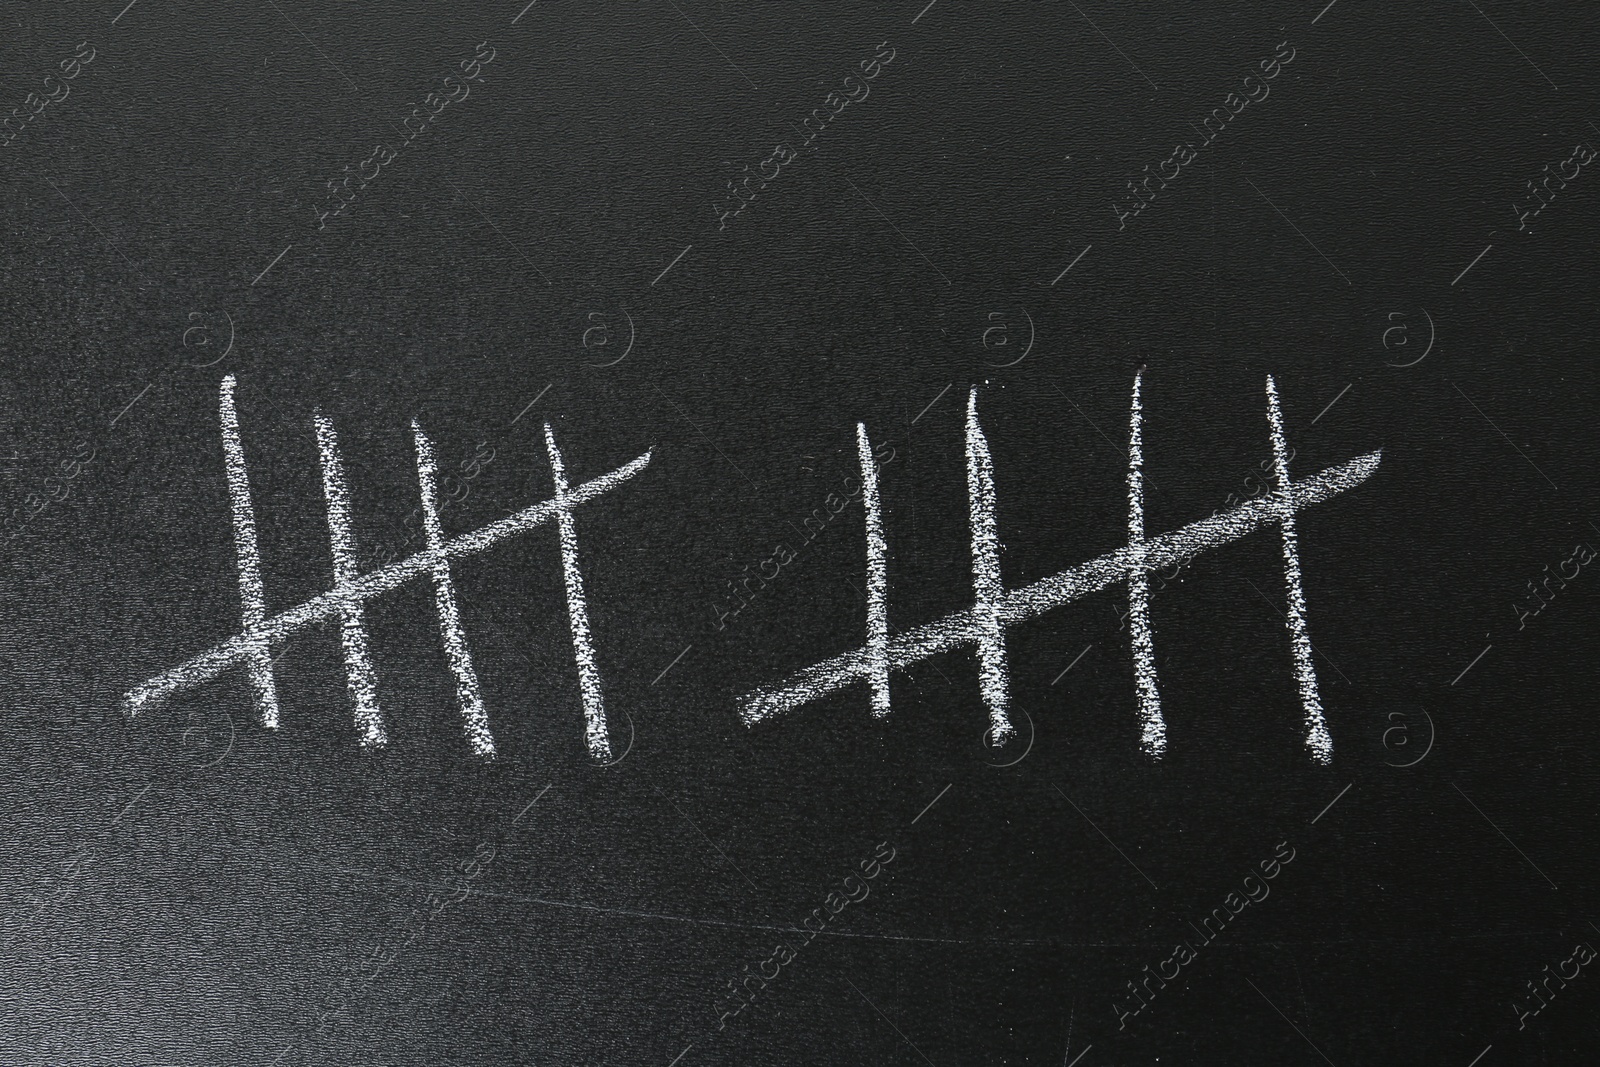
{"type": "Point", "coordinates": [440, 440]}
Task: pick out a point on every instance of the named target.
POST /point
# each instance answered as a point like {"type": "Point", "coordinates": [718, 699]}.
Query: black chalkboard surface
{"type": "Point", "coordinates": [686, 533]}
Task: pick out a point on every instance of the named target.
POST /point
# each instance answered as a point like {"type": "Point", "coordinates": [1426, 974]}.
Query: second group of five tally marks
{"type": "Point", "coordinates": [994, 610]}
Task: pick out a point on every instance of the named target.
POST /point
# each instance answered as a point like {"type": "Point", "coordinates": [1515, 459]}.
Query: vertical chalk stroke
{"type": "Point", "coordinates": [1153, 728]}
{"type": "Point", "coordinates": [352, 621]}
{"type": "Point", "coordinates": [1305, 673]}
{"type": "Point", "coordinates": [252, 596]}
{"type": "Point", "coordinates": [474, 719]}
{"type": "Point", "coordinates": [986, 589]}
{"type": "Point", "coordinates": [996, 609]}
{"type": "Point", "coordinates": [594, 712]}
{"type": "Point", "coordinates": [877, 577]}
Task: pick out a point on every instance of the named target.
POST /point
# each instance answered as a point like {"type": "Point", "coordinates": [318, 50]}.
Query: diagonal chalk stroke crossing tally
{"type": "Point", "coordinates": [345, 601]}
{"type": "Point", "coordinates": [995, 610]}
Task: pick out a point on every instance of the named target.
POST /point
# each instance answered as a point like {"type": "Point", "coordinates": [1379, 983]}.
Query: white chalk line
{"type": "Point", "coordinates": [877, 576]}
{"type": "Point", "coordinates": [475, 720]}
{"type": "Point", "coordinates": [255, 650]}
{"type": "Point", "coordinates": [1305, 672]}
{"type": "Point", "coordinates": [220, 657]}
{"type": "Point", "coordinates": [594, 712]}
{"type": "Point", "coordinates": [353, 628]}
{"type": "Point", "coordinates": [1030, 601]}
{"type": "Point", "coordinates": [993, 680]}
{"type": "Point", "coordinates": [1152, 727]}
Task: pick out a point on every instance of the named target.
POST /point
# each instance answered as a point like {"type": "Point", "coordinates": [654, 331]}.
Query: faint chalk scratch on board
{"type": "Point", "coordinates": [346, 601]}
{"type": "Point", "coordinates": [995, 610]}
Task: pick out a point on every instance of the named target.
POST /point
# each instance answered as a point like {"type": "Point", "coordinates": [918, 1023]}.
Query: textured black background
{"type": "Point", "coordinates": [190, 888]}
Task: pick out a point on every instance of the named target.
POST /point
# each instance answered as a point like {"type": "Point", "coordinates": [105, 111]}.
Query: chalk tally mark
{"type": "Point", "coordinates": [1153, 728]}
{"type": "Point", "coordinates": [473, 718]}
{"type": "Point", "coordinates": [257, 651]}
{"type": "Point", "coordinates": [1305, 674]}
{"type": "Point", "coordinates": [986, 589]}
{"type": "Point", "coordinates": [346, 601]}
{"type": "Point", "coordinates": [995, 610]}
{"type": "Point", "coordinates": [353, 627]}
{"type": "Point", "coordinates": [877, 577]}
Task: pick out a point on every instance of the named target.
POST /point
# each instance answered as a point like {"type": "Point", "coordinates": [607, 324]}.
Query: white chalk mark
{"type": "Point", "coordinates": [353, 626]}
{"type": "Point", "coordinates": [1473, 664]}
{"type": "Point", "coordinates": [673, 664]}
{"type": "Point", "coordinates": [877, 577]}
{"type": "Point", "coordinates": [932, 402]}
{"type": "Point", "coordinates": [986, 588]}
{"type": "Point", "coordinates": [474, 719]}
{"type": "Point", "coordinates": [132, 402]}
{"type": "Point", "coordinates": [1074, 662]}
{"type": "Point", "coordinates": [1280, 611]}
{"type": "Point", "coordinates": [1305, 672]}
{"type": "Point", "coordinates": [274, 263]}
{"type": "Point", "coordinates": [1020, 605]}
{"type": "Point", "coordinates": [1474, 263]}
{"type": "Point", "coordinates": [240, 648]}
{"type": "Point", "coordinates": [1323, 12]}
{"type": "Point", "coordinates": [1331, 803]}
{"type": "Point", "coordinates": [1152, 727]}
{"type": "Point", "coordinates": [594, 712]}
{"type": "Point", "coordinates": [255, 643]}
{"type": "Point", "coordinates": [674, 263]}
{"type": "Point", "coordinates": [931, 803]}
{"type": "Point", "coordinates": [1074, 262]}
